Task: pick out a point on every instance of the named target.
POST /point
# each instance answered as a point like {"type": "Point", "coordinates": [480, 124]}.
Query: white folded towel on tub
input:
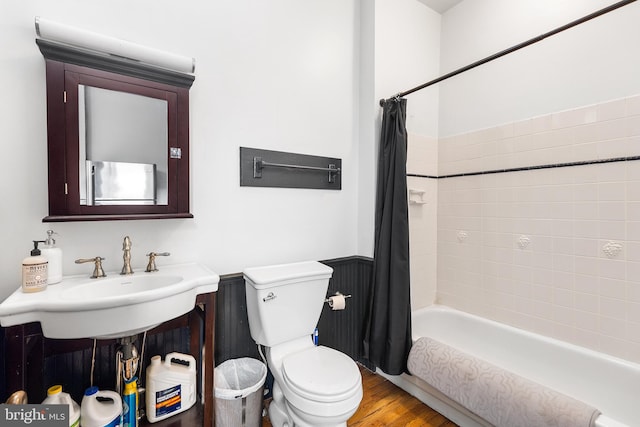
{"type": "Point", "coordinates": [498, 396]}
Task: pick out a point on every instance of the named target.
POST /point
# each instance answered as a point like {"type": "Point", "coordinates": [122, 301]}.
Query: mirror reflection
{"type": "Point", "coordinates": [123, 148]}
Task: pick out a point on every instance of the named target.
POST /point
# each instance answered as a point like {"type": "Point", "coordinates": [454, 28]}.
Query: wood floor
{"type": "Point", "coordinates": [384, 404]}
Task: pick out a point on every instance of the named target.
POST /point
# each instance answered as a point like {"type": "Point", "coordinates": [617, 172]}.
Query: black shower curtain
{"type": "Point", "coordinates": [388, 330]}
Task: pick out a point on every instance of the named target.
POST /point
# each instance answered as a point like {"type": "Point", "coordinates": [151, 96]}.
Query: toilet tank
{"type": "Point", "coordinates": [284, 301]}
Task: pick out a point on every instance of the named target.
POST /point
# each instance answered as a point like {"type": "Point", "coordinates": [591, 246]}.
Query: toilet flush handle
{"type": "Point", "coordinates": [270, 296]}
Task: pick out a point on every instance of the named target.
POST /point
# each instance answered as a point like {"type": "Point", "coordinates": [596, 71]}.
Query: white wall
{"type": "Point", "coordinates": [278, 75]}
{"type": "Point", "coordinates": [368, 128]}
{"type": "Point", "coordinates": [590, 63]}
{"type": "Point", "coordinates": [407, 51]}
{"type": "Point", "coordinates": [407, 47]}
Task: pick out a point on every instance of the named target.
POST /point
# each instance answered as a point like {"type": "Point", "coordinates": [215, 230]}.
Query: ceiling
{"type": "Point", "coordinates": [440, 6]}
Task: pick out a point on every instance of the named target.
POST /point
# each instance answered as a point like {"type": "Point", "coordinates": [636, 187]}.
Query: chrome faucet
{"type": "Point", "coordinates": [126, 256]}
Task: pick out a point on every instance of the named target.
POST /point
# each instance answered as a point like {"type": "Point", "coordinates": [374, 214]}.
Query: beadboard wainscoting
{"type": "Point", "coordinates": [342, 330]}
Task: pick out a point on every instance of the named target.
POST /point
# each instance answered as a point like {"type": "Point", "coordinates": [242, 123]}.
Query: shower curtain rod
{"type": "Point", "coordinates": [515, 48]}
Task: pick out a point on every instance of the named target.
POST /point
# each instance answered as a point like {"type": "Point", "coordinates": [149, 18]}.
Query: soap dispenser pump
{"type": "Point", "coordinates": [54, 255]}
{"type": "Point", "coordinates": [35, 270]}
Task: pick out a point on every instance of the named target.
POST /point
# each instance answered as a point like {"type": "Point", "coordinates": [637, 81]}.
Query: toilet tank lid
{"type": "Point", "coordinates": [287, 272]}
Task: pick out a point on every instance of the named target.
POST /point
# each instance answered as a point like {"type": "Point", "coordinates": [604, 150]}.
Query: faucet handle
{"type": "Point", "coordinates": [97, 270]}
{"type": "Point", "coordinates": [151, 265]}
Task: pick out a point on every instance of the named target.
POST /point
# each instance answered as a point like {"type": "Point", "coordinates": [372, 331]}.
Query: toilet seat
{"type": "Point", "coordinates": [322, 374]}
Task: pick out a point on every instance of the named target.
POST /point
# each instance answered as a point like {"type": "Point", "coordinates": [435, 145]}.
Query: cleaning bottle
{"type": "Point", "coordinates": [34, 270]}
{"type": "Point", "coordinates": [55, 396]}
{"type": "Point", "coordinates": [130, 403]}
{"type": "Point", "coordinates": [171, 387]}
{"type": "Point", "coordinates": [101, 408]}
{"type": "Point", "coordinates": [54, 255]}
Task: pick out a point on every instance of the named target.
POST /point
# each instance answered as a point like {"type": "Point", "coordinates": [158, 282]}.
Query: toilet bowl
{"type": "Point", "coordinates": [313, 385]}
{"type": "Point", "coordinates": [321, 386]}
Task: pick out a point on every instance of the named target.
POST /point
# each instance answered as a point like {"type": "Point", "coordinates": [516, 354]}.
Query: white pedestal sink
{"type": "Point", "coordinates": [110, 307]}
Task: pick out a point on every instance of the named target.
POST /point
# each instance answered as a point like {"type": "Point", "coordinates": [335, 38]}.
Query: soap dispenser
{"type": "Point", "coordinates": [34, 270]}
{"type": "Point", "coordinates": [54, 255]}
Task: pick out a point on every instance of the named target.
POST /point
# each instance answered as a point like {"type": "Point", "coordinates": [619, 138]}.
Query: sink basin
{"type": "Point", "coordinates": [110, 307]}
{"type": "Point", "coordinates": [115, 287]}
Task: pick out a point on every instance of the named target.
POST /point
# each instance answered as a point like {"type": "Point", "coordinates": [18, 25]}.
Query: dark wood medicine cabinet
{"type": "Point", "coordinates": [78, 189]}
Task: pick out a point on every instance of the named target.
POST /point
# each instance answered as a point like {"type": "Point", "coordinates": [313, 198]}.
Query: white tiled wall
{"type": "Point", "coordinates": [557, 250]}
{"type": "Point", "coordinates": [602, 131]}
{"type": "Point", "coordinates": [423, 212]}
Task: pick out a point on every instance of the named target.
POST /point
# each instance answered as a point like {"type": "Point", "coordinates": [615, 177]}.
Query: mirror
{"type": "Point", "coordinates": [123, 141]}
{"type": "Point", "coordinates": [118, 137]}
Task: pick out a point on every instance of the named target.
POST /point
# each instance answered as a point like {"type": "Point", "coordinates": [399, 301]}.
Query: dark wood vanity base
{"type": "Point", "coordinates": [27, 352]}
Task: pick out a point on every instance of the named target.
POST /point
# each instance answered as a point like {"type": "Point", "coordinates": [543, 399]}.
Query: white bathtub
{"type": "Point", "coordinates": [610, 384]}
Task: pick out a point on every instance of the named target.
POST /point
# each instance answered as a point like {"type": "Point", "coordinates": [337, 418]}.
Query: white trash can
{"type": "Point", "coordinates": [238, 390]}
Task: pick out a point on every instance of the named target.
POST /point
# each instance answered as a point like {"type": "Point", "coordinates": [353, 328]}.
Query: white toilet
{"type": "Point", "coordinates": [313, 385]}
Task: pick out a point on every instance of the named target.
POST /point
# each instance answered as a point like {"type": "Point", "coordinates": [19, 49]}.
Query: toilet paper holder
{"type": "Point", "coordinates": [337, 294]}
